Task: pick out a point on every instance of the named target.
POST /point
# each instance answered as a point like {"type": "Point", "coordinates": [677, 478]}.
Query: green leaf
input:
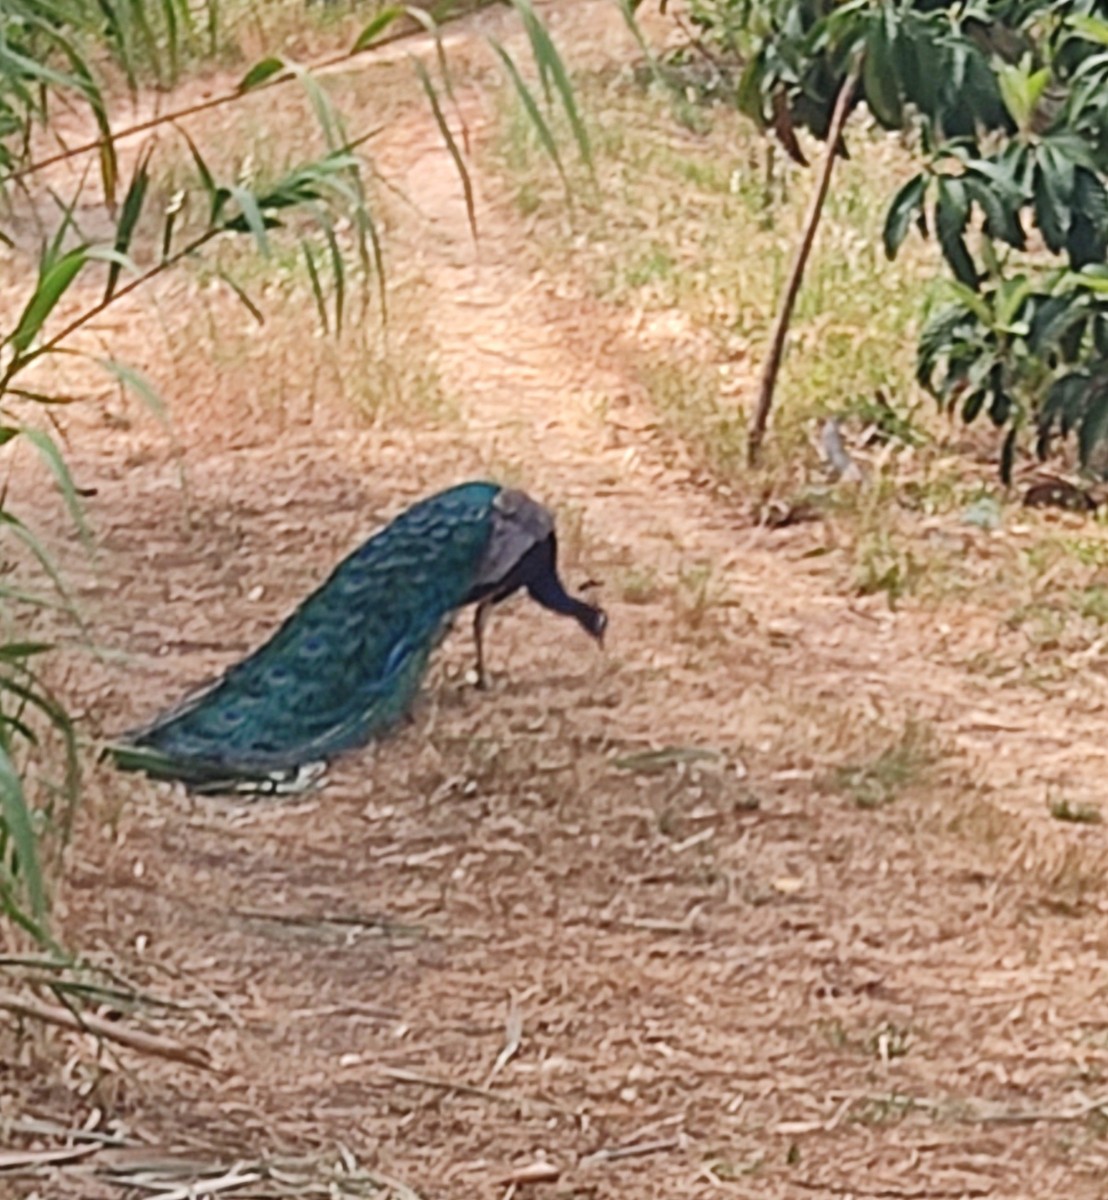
{"type": "Point", "coordinates": [1093, 277]}
{"type": "Point", "coordinates": [1053, 191]}
{"type": "Point", "coordinates": [972, 405]}
{"type": "Point", "coordinates": [375, 28]}
{"type": "Point", "coordinates": [13, 651]}
{"type": "Point", "coordinates": [52, 456]}
{"type": "Point", "coordinates": [1065, 402]}
{"type": "Point", "coordinates": [251, 214]}
{"type": "Point", "coordinates": [1011, 299]}
{"type": "Point", "coordinates": [136, 382]}
{"type": "Point", "coordinates": [534, 113]}
{"type": "Point", "coordinates": [261, 72]}
{"type": "Point", "coordinates": [627, 9]}
{"type": "Point", "coordinates": [1087, 242]}
{"type": "Point", "coordinates": [128, 218]}
{"type": "Point", "coordinates": [879, 74]}
{"type": "Point", "coordinates": [551, 67]}
{"type": "Point", "coordinates": [317, 287]}
{"type": "Point", "coordinates": [338, 274]}
{"type": "Point", "coordinates": [1021, 89]}
{"type": "Point", "coordinates": [1054, 318]}
{"type": "Point", "coordinates": [17, 820]}
{"type": "Point", "coordinates": [451, 144]}
{"type": "Point", "coordinates": [951, 217]}
{"type": "Point", "coordinates": [243, 297]}
{"type": "Point", "coordinates": [1008, 456]}
{"type": "Point", "coordinates": [1091, 28]}
{"type": "Point", "coordinates": [906, 207]}
{"type": "Point", "coordinates": [1002, 219]}
{"type": "Point", "coordinates": [51, 287]}
{"type": "Point", "coordinates": [1093, 427]}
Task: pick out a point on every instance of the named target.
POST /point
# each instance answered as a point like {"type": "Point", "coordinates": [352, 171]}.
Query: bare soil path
{"type": "Point", "coordinates": [510, 933]}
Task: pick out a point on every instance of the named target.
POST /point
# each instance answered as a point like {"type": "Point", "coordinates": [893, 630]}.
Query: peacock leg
{"type": "Point", "coordinates": [479, 619]}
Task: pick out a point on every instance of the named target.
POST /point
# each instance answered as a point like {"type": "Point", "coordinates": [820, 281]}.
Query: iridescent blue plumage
{"type": "Point", "coordinates": [348, 662]}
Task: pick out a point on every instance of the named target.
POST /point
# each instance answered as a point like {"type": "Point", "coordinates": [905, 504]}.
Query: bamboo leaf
{"type": "Point", "coordinates": [317, 287]}
{"type": "Point", "coordinates": [245, 300]}
{"type": "Point", "coordinates": [251, 214]}
{"type": "Point", "coordinates": [128, 218]}
{"type": "Point", "coordinates": [551, 68]}
{"type": "Point", "coordinates": [451, 144]}
{"type": "Point", "coordinates": [51, 287]}
{"type": "Point", "coordinates": [51, 455]}
{"type": "Point", "coordinates": [17, 821]}
{"type": "Point", "coordinates": [20, 531]}
{"type": "Point", "coordinates": [534, 113]}
{"type": "Point", "coordinates": [136, 382]}
{"type": "Point", "coordinates": [375, 28]}
{"type": "Point", "coordinates": [259, 73]}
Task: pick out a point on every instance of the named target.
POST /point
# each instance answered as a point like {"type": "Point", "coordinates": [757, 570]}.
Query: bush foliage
{"type": "Point", "coordinates": [1007, 106]}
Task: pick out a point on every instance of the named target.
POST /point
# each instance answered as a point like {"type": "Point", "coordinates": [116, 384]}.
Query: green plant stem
{"type": "Point", "coordinates": [772, 366]}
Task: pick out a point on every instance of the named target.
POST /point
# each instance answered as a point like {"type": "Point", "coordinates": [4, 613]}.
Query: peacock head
{"type": "Point", "coordinates": [593, 620]}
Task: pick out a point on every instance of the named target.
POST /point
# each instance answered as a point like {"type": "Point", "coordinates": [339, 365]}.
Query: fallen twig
{"type": "Point", "coordinates": [209, 1187]}
{"type": "Point", "coordinates": [37, 1128]}
{"type": "Point", "coordinates": [513, 1035]}
{"type": "Point", "coordinates": [1033, 1116]}
{"type": "Point", "coordinates": [615, 1153]}
{"type": "Point", "coordinates": [973, 1112]}
{"type": "Point", "coordinates": [14, 1160]}
{"type": "Point", "coordinates": [929, 1193]}
{"type": "Point", "coordinates": [383, 924]}
{"type": "Point", "coordinates": [536, 1172]}
{"type": "Point", "coordinates": [417, 1078]}
{"type": "Point", "coordinates": [124, 1035]}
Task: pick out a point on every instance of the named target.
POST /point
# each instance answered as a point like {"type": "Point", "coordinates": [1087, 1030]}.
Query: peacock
{"type": "Point", "coordinates": [347, 664]}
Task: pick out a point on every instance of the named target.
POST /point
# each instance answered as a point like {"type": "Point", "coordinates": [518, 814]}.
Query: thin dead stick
{"type": "Point", "coordinates": [983, 1116]}
{"type": "Point", "coordinates": [134, 1039]}
{"type": "Point", "coordinates": [383, 924]}
{"type": "Point", "coordinates": [615, 1153]}
{"type": "Point", "coordinates": [788, 300]}
{"type": "Point", "coordinates": [20, 1160]}
{"type": "Point", "coordinates": [1034, 1116]}
{"type": "Point", "coordinates": [32, 1125]}
{"type": "Point", "coordinates": [209, 1187]}
{"type": "Point", "coordinates": [466, 1089]}
{"type": "Point", "coordinates": [513, 1036]}
{"type": "Point", "coordinates": [852, 1189]}
{"type": "Point", "coordinates": [536, 1172]}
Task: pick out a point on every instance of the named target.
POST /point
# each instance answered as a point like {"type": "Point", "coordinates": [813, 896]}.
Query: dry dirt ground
{"type": "Point", "coordinates": [514, 932]}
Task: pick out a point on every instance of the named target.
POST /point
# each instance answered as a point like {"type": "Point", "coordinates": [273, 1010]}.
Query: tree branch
{"type": "Point", "coordinates": [788, 300]}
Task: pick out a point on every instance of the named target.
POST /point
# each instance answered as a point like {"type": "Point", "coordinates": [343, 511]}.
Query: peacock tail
{"type": "Point", "coordinates": [342, 668]}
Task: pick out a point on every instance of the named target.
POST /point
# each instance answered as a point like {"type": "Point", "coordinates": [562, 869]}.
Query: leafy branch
{"type": "Point", "coordinates": [1006, 106]}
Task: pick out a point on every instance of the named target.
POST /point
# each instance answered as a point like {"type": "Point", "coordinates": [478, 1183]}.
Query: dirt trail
{"type": "Point", "coordinates": [532, 372]}
{"type": "Point", "coordinates": [756, 986]}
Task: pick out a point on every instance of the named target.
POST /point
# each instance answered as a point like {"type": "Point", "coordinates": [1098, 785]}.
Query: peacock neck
{"type": "Point", "coordinates": [547, 589]}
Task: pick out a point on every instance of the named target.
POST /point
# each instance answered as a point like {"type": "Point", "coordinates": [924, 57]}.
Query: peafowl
{"type": "Point", "coordinates": [347, 663]}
